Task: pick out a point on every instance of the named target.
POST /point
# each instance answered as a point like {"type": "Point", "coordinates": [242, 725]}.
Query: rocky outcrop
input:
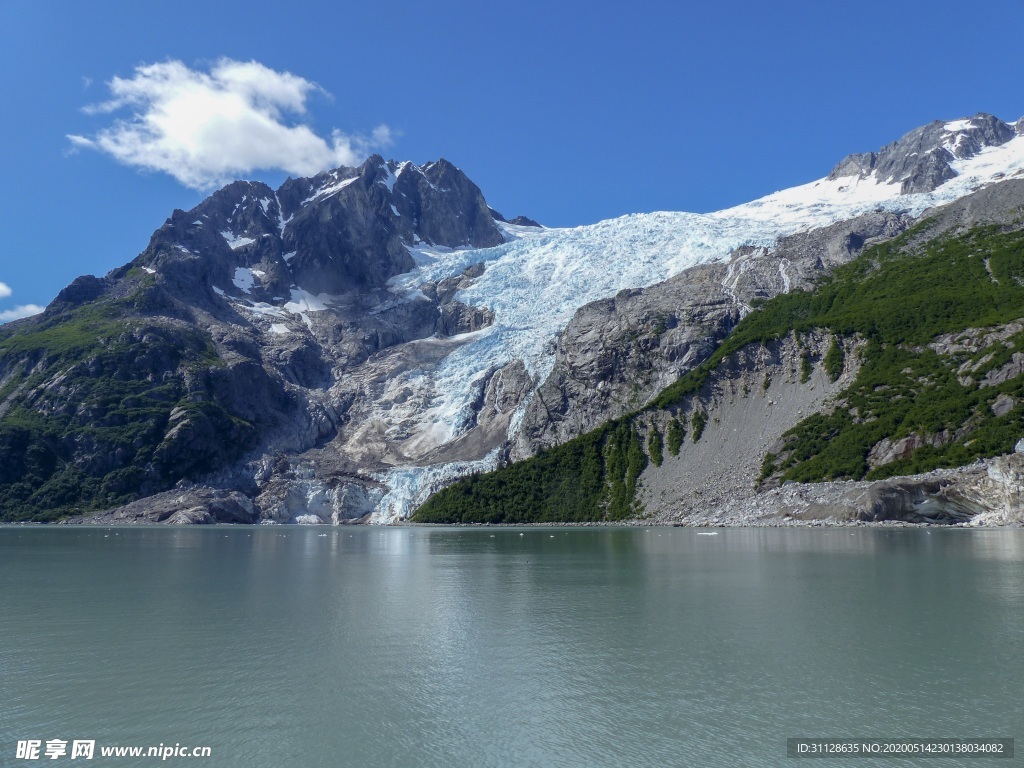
{"type": "Point", "coordinates": [187, 506]}
{"type": "Point", "coordinates": [921, 160]}
{"type": "Point", "coordinates": [745, 407]}
{"type": "Point", "coordinates": [887, 451]}
{"type": "Point", "coordinates": [618, 353]}
{"type": "Point", "coordinates": [257, 324]}
{"type": "Point", "coordinates": [989, 492]}
{"type": "Point", "coordinates": [519, 221]}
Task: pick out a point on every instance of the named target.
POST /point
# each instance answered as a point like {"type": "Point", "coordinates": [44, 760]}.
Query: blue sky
{"type": "Point", "coordinates": [565, 112]}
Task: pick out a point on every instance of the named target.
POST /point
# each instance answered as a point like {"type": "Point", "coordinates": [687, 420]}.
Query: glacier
{"type": "Point", "coordinates": [537, 279]}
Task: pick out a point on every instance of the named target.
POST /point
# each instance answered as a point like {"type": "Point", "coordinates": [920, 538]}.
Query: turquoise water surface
{"type": "Point", "coordinates": [311, 646]}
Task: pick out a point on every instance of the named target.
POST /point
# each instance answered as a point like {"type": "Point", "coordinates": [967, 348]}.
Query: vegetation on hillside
{"type": "Point", "coordinates": [85, 401]}
{"type": "Point", "coordinates": [895, 297]}
{"type": "Point", "coordinates": [900, 304]}
{"type": "Point", "coordinates": [590, 478]}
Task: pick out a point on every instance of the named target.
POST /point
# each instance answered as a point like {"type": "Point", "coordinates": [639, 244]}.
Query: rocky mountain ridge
{"type": "Point", "coordinates": [923, 159]}
{"type": "Point", "coordinates": [848, 377]}
{"type": "Point", "coordinates": [341, 347]}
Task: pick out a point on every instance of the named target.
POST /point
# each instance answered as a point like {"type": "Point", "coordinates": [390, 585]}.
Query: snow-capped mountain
{"type": "Point", "coordinates": [535, 283]}
{"type": "Point", "coordinates": [376, 332]}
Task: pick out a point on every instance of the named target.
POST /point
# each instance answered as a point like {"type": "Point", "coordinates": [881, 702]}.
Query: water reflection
{"type": "Point", "coordinates": [502, 647]}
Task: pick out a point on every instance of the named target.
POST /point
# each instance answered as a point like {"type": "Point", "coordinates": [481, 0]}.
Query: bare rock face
{"type": "Point", "coordinates": [342, 232]}
{"type": "Point", "coordinates": [257, 326]}
{"type": "Point", "coordinates": [997, 204]}
{"type": "Point", "coordinates": [989, 492]}
{"type": "Point", "coordinates": [887, 451]}
{"type": "Point", "coordinates": [746, 405]}
{"type": "Point", "coordinates": [920, 160]}
{"type": "Point", "coordinates": [186, 506]}
{"type": "Point", "coordinates": [617, 354]}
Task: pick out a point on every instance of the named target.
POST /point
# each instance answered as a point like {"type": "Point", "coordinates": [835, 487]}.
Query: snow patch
{"type": "Point", "coordinates": [389, 178]}
{"type": "Point", "coordinates": [281, 221]}
{"type": "Point", "coordinates": [329, 190]}
{"type": "Point", "coordinates": [236, 242]}
{"type": "Point", "coordinates": [280, 329]}
{"type": "Point", "coordinates": [262, 309]}
{"type": "Point", "coordinates": [304, 301]}
{"type": "Point", "coordinates": [958, 125]}
{"type": "Point", "coordinates": [243, 279]}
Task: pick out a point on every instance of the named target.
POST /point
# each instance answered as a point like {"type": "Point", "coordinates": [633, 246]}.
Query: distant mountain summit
{"type": "Point", "coordinates": [923, 159]}
{"type": "Point", "coordinates": [341, 232]}
{"type": "Point", "coordinates": [341, 347]}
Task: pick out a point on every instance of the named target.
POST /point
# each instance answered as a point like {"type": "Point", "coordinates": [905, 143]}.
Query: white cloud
{"type": "Point", "coordinates": [25, 310]}
{"type": "Point", "coordinates": [207, 128]}
{"type": "Point", "coordinates": [5, 290]}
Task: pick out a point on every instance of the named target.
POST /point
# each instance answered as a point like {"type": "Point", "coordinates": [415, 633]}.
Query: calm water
{"type": "Point", "coordinates": [285, 647]}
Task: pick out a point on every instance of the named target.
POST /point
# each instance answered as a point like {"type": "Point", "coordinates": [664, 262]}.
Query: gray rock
{"type": "Point", "coordinates": [920, 160]}
{"type": "Point", "coordinates": [194, 505]}
{"type": "Point", "coordinates": [617, 354]}
{"type": "Point", "coordinates": [887, 450]}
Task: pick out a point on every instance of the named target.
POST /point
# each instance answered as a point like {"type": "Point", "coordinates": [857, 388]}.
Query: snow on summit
{"type": "Point", "coordinates": [538, 278]}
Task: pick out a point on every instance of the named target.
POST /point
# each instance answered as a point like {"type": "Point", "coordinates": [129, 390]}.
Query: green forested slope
{"type": "Point", "coordinates": [89, 402]}
{"type": "Point", "coordinates": [897, 298]}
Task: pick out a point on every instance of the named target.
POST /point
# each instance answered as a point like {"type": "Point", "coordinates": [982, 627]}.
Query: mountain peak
{"type": "Point", "coordinates": [340, 232]}
{"type": "Point", "coordinates": [924, 158]}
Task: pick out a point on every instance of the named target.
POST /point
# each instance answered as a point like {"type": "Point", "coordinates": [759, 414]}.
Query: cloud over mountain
{"type": "Point", "coordinates": [206, 128]}
{"type": "Point", "coordinates": [24, 310]}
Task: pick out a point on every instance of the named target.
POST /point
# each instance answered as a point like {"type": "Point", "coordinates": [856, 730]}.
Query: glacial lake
{"type": "Point", "coordinates": [354, 646]}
